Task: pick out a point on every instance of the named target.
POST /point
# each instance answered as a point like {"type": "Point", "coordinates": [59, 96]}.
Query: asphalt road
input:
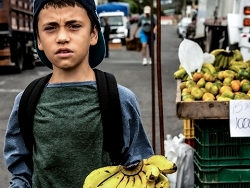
{"type": "Point", "coordinates": [129, 72]}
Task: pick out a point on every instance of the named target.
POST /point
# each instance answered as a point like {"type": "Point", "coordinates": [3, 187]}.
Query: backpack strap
{"type": "Point", "coordinates": [26, 112]}
{"type": "Point", "coordinates": [111, 115]}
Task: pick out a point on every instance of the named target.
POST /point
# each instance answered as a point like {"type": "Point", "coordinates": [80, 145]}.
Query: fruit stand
{"type": "Point", "coordinates": [220, 161]}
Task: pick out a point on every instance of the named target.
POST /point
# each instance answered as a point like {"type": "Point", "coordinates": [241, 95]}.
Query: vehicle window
{"type": "Point", "coordinates": [1, 3]}
{"type": "Point", "coordinates": [113, 21]}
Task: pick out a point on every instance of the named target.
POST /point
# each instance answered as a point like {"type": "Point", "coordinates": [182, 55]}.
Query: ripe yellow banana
{"type": "Point", "coordinates": [132, 170]}
{"type": "Point", "coordinates": [162, 182]}
{"type": "Point", "coordinates": [143, 179]}
{"type": "Point", "coordinates": [210, 67]}
{"type": "Point", "coordinates": [152, 172]}
{"type": "Point", "coordinates": [97, 176]}
{"type": "Point", "coordinates": [131, 182]}
{"type": "Point", "coordinates": [150, 184]}
{"type": "Point", "coordinates": [240, 64]}
{"type": "Point", "coordinates": [205, 70]}
{"type": "Point", "coordinates": [165, 166]}
{"type": "Point", "coordinates": [123, 183]}
{"type": "Point", "coordinates": [180, 67]}
{"type": "Point", "coordinates": [138, 181]}
{"type": "Point", "coordinates": [237, 55]}
{"type": "Point", "coordinates": [179, 74]}
{"type": "Point", "coordinates": [248, 62]}
{"type": "Point", "coordinates": [113, 181]}
{"type": "Point", "coordinates": [234, 68]}
{"type": "Point", "coordinates": [217, 51]}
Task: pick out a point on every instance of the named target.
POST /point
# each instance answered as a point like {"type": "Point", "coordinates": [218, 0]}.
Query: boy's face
{"type": "Point", "coordinates": [65, 36]}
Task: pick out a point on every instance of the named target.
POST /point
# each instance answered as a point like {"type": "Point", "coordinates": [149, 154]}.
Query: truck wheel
{"type": "Point", "coordinates": [19, 58]}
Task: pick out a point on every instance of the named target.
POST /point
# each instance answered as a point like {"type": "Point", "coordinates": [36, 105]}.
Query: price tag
{"type": "Point", "coordinates": [239, 118]}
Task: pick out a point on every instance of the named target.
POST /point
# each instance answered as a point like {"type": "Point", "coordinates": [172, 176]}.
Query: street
{"type": "Point", "coordinates": [129, 72]}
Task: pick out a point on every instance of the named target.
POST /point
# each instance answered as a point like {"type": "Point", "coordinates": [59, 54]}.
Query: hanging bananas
{"type": "Point", "coordinates": [97, 176]}
{"type": "Point", "coordinates": [223, 58]}
{"type": "Point", "coordinates": [165, 166]}
{"type": "Point", "coordinates": [149, 173]}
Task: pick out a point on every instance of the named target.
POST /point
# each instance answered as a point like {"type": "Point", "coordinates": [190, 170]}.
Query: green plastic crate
{"type": "Point", "coordinates": [227, 174]}
{"type": "Point", "coordinates": [200, 184]}
{"type": "Point", "coordinates": [214, 146]}
{"type": "Point", "coordinates": [216, 132]}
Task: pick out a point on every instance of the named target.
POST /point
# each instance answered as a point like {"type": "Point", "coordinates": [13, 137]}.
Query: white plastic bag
{"type": "Point", "coordinates": [208, 58]}
{"type": "Point", "coordinates": [190, 56]}
{"type": "Point", "coordinates": [181, 154]}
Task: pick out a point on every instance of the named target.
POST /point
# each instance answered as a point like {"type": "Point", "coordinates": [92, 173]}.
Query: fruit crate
{"type": "Point", "coordinates": [200, 109]}
{"type": "Point", "coordinates": [188, 128]}
{"type": "Point", "coordinates": [222, 177]}
{"type": "Point", "coordinates": [215, 147]}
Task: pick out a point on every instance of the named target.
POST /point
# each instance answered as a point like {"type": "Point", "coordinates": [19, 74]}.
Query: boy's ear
{"type": "Point", "coordinates": [94, 37]}
{"type": "Point", "coordinates": [39, 45]}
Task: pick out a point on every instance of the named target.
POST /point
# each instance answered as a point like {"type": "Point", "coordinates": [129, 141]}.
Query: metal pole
{"type": "Point", "coordinates": [152, 74]}
{"type": "Point", "coordinates": [159, 78]}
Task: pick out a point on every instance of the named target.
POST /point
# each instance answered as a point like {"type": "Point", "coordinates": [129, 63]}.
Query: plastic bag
{"type": "Point", "coordinates": [208, 58]}
{"type": "Point", "coordinates": [191, 56]}
{"type": "Point", "coordinates": [182, 154]}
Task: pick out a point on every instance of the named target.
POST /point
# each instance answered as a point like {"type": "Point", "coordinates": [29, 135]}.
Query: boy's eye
{"type": "Point", "coordinates": [75, 26]}
{"type": "Point", "coordinates": [49, 28]}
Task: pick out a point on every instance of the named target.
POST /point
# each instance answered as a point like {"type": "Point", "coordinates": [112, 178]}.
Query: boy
{"type": "Point", "coordinates": [67, 121]}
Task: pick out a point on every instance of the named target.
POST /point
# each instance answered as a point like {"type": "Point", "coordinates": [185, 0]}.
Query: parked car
{"type": "Point", "coordinates": [182, 26]}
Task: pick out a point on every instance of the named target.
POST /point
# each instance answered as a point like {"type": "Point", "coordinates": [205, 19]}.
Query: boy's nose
{"type": "Point", "coordinates": [62, 36]}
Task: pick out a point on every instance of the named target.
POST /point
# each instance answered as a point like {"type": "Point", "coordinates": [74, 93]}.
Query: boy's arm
{"type": "Point", "coordinates": [137, 145]}
{"type": "Point", "coordinates": [15, 151]}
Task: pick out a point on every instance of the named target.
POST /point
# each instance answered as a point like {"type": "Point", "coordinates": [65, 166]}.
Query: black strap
{"type": "Point", "coordinates": [111, 115]}
{"type": "Point", "coordinates": [26, 112]}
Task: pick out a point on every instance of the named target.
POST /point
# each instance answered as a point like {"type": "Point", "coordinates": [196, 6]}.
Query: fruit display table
{"type": "Point", "coordinates": [200, 109]}
{"type": "Point", "coordinates": [219, 159]}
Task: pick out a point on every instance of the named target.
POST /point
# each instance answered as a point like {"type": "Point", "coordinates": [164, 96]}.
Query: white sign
{"type": "Point", "coordinates": [239, 118]}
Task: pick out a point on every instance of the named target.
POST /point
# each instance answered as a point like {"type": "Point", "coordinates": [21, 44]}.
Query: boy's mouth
{"type": "Point", "coordinates": [63, 51]}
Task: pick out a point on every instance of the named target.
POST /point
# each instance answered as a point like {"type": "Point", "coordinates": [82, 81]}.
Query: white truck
{"type": "Point", "coordinates": [117, 14]}
{"type": "Point", "coordinates": [224, 24]}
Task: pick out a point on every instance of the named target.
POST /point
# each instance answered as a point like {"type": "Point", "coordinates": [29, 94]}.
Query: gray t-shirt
{"type": "Point", "coordinates": [145, 23]}
{"type": "Point", "coordinates": [64, 110]}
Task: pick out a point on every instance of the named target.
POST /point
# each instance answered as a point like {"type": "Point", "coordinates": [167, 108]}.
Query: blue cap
{"type": "Point", "coordinates": [96, 52]}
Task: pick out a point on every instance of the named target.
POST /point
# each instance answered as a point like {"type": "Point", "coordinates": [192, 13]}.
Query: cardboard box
{"type": "Point", "coordinates": [115, 45]}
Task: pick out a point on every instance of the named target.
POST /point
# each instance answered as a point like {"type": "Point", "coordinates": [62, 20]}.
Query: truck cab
{"type": "Point", "coordinates": [224, 24]}
{"type": "Point", "coordinates": [118, 25]}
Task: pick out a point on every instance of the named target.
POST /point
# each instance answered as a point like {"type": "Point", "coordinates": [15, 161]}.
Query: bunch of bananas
{"type": "Point", "coordinates": [224, 60]}
{"type": "Point", "coordinates": [183, 75]}
{"type": "Point", "coordinates": [149, 173]}
{"type": "Point", "coordinates": [224, 57]}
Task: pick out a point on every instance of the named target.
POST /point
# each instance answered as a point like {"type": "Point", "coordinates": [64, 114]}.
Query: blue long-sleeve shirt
{"type": "Point", "coordinates": [136, 142]}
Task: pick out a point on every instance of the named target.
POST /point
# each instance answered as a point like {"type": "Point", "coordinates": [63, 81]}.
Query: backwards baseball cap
{"type": "Point", "coordinates": [147, 10]}
{"type": "Point", "coordinates": [96, 52]}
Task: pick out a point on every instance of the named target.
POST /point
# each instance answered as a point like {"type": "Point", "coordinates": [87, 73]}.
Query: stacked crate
{"type": "Point", "coordinates": [220, 161]}
{"type": "Point", "coordinates": [188, 131]}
